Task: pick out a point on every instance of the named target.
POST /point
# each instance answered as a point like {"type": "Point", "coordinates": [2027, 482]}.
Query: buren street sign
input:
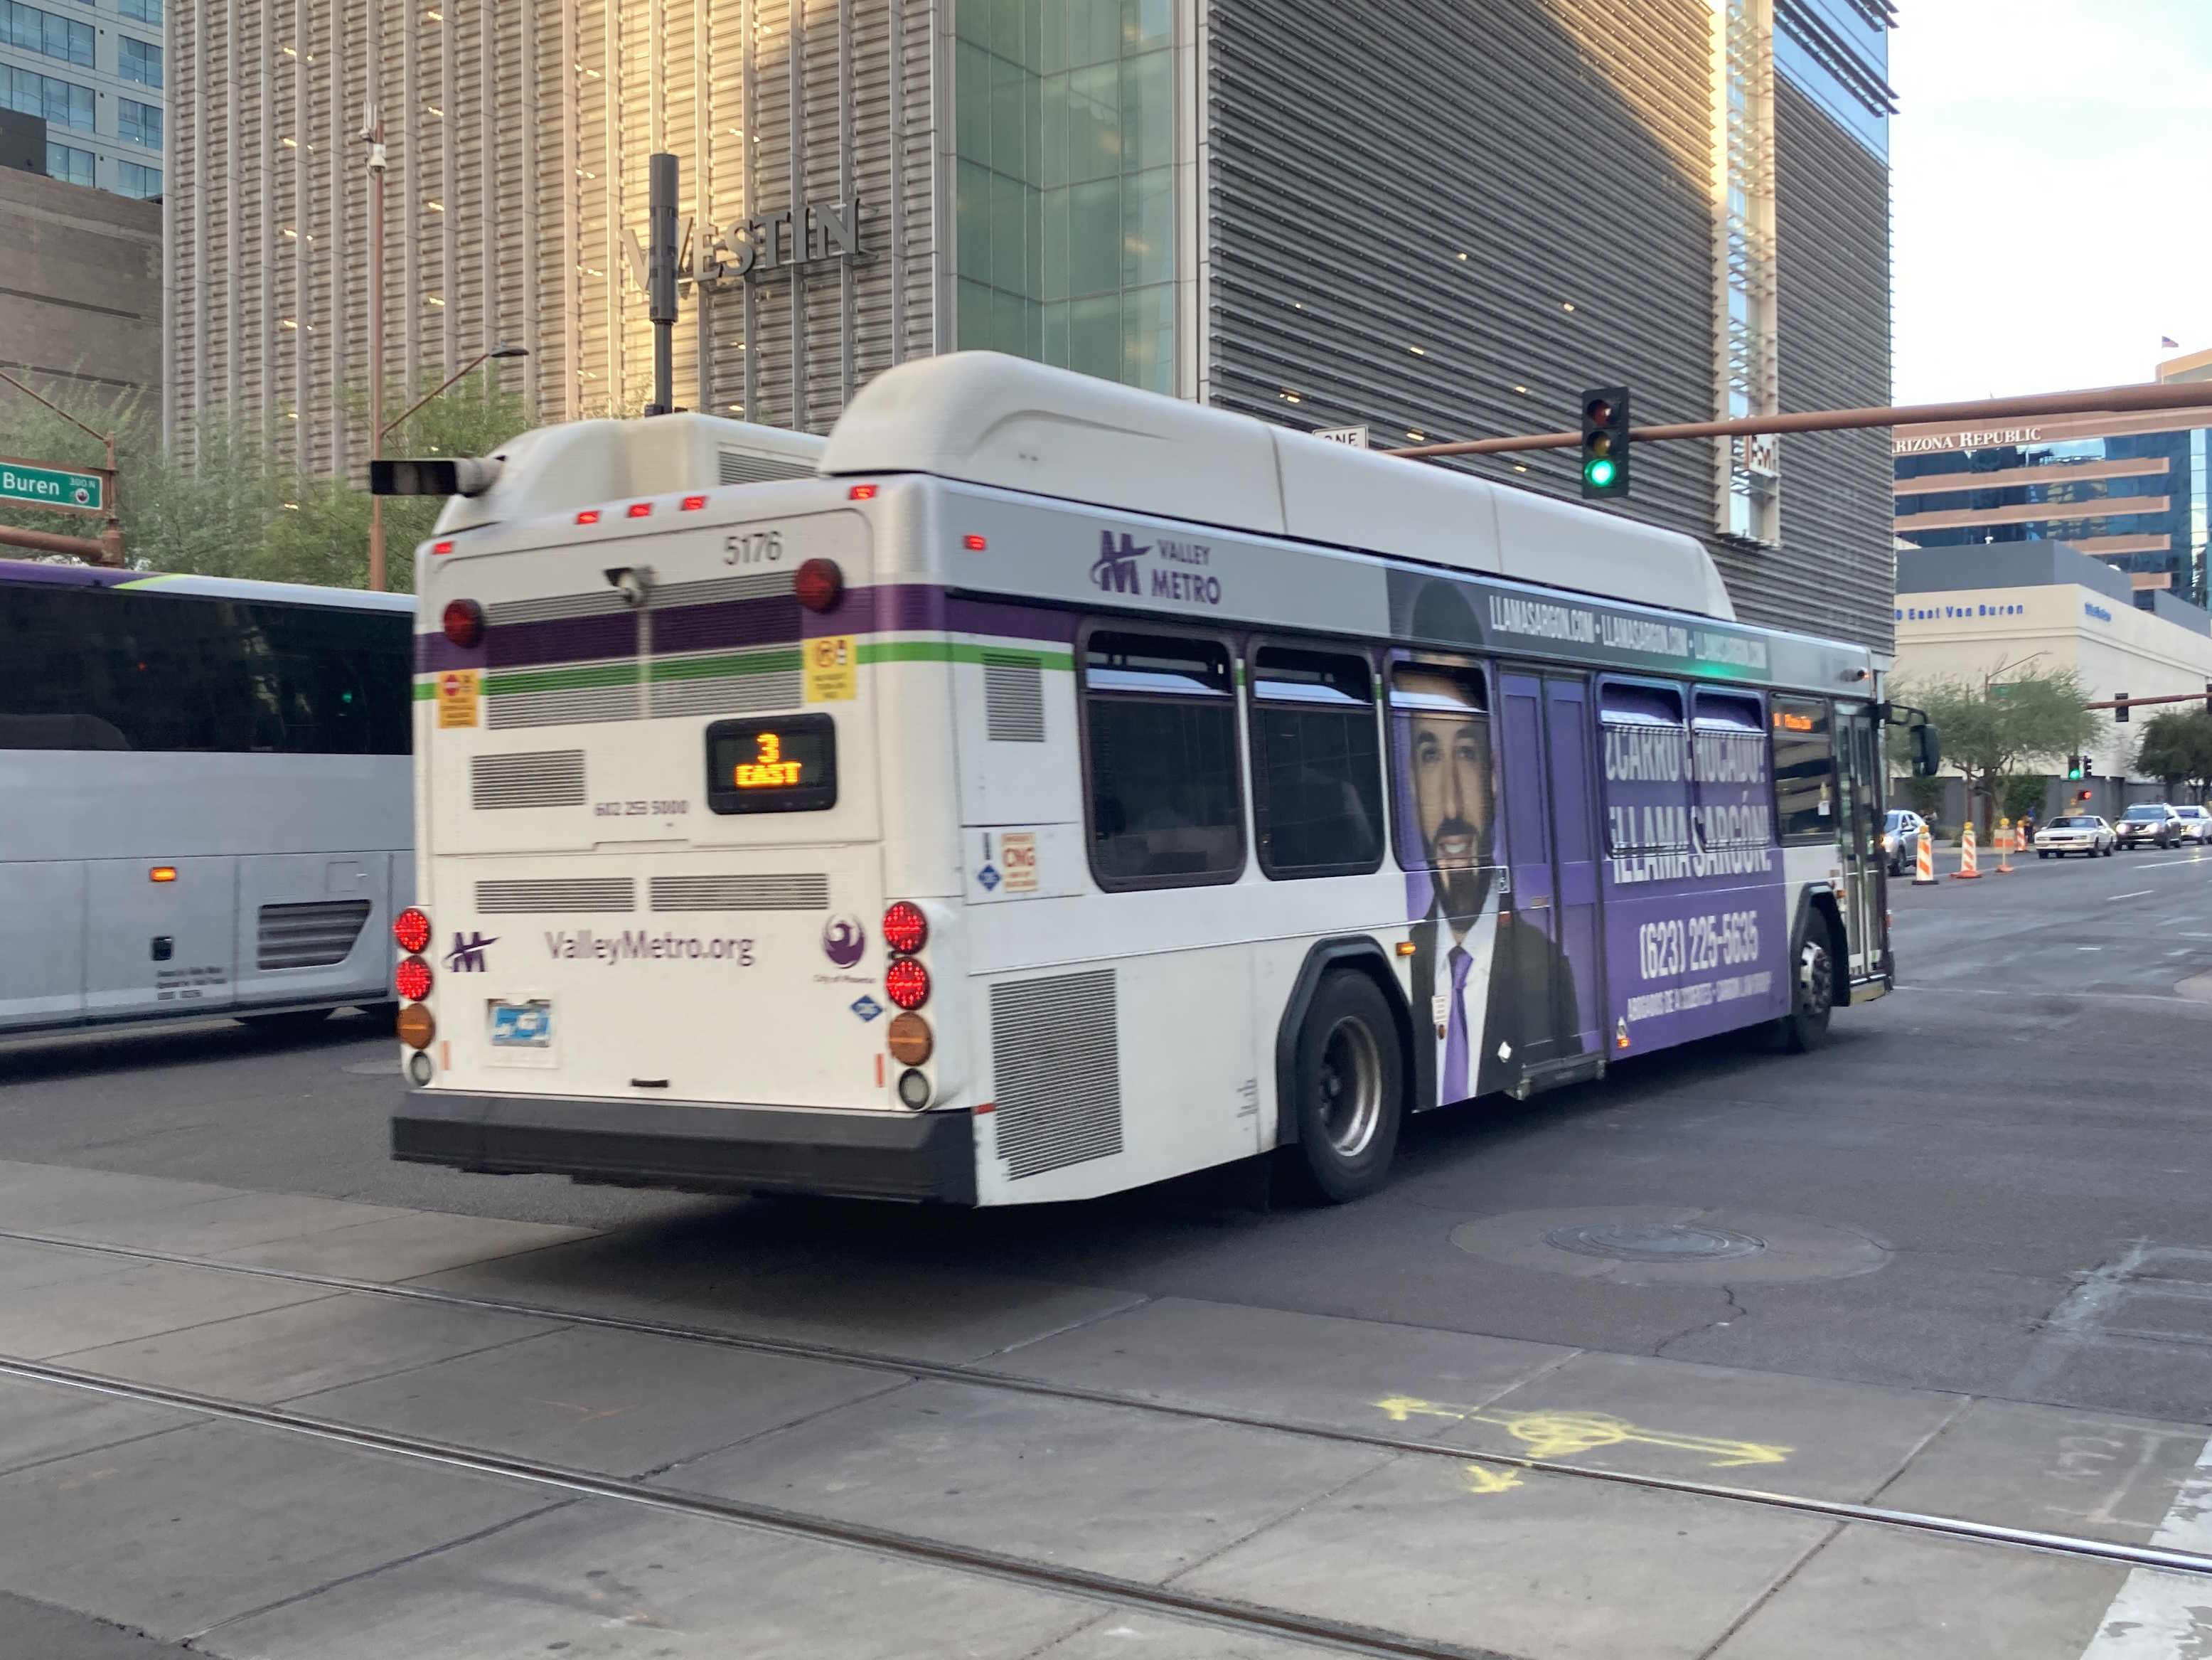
{"type": "Point", "coordinates": [52, 486]}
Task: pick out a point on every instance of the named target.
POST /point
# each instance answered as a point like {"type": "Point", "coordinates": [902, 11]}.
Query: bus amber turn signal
{"type": "Point", "coordinates": [416, 1026]}
{"type": "Point", "coordinates": [910, 1040]}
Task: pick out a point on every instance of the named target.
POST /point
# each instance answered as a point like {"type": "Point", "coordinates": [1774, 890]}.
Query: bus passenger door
{"type": "Point", "coordinates": [1549, 948]}
{"type": "Point", "coordinates": [1858, 835]}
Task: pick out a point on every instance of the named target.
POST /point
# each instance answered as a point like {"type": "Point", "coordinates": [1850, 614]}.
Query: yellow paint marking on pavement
{"type": "Point", "coordinates": [1562, 1434]}
{"type": "Point", "coordinates": [1482, 1479]}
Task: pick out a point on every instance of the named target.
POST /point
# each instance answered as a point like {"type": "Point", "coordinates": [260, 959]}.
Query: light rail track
{"type": "Point", "coordinates": [1839, 1510]}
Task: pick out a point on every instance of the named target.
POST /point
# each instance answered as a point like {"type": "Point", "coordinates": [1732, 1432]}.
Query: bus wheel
{"type": "Point", "coordinates": [1812, 991]}
{"type": "Point", "coordinates": [1350, 1084]}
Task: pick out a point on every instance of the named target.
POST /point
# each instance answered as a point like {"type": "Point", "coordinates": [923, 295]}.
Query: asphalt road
{"type": "Point", "coordinates": [1948, 1174]}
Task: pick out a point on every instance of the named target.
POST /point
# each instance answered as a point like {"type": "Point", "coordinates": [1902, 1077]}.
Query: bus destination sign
{"type": "Point", "coordinates": [783, 765]}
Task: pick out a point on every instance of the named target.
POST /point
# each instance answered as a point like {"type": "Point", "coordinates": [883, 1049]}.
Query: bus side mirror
{"type": "Point", "coordinates": [1927, 752]}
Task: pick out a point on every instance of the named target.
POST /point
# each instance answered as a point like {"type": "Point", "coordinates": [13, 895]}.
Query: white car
{"type": "Point", "coordinates": [2196, 823]}
{"type": "Point", "coordinates": [2079, 832]}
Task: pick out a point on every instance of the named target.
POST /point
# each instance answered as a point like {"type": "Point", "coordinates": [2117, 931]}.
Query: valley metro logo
{"type": "Point", "coordinates": [467, 956]}
{"type": "Point", "coordinates": [1115, 571]}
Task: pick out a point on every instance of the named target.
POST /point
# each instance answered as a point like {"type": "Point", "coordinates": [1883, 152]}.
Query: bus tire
{"type": "Point", "coordinates": [1348, 1084]}
{"type": "Point", "coordinates": [1812, 987]}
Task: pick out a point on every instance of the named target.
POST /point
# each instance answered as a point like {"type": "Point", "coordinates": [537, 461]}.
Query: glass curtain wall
{"type": "Point", "coordinates": [1064, 113]}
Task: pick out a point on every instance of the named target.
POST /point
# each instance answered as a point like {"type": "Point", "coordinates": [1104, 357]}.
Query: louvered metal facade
{"type": "Point", "coordinates": [1436, 221]}
{"type": "Point", "coordinates": [1445, 221]}
{"type": "Point", "coordinates": [517, 134]}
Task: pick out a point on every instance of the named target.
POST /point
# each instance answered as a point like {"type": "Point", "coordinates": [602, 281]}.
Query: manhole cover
{"type": "Point", "coordinates": [1651, 1242]}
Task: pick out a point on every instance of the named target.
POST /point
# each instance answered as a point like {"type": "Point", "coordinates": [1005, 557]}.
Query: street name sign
{"type": "Point", "coordinates": [51, 487]}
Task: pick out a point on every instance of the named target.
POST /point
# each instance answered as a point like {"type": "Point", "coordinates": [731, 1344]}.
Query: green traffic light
{"type": "Point", "coordinates": [1599, 473]}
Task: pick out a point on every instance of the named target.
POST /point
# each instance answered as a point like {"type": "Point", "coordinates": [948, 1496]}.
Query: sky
{"type": "Point", "coordinates": [2048, 177]}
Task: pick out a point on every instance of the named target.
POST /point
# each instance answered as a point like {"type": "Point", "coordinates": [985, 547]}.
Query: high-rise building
{"type": "Point", "coordinates": [95, 71]}
{"type": "Point", "coordinates": [2129, 490]}
{"type": "Point", "coordinates": [1434, 222]}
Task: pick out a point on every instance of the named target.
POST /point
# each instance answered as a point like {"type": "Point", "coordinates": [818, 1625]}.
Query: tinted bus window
{"type": "Point", "coordinates": [1804, 770]}
{"type": "Point", "coordinates": [1160, 724]}
{"type": "Point", "coordinates": [1734, 798]}
{"type": "Point", "coordinates": [102, 670]}
{"type": "Point", "coordinates": [1647, 769]}
{"type": "Point", "coordinates": [1317, 764]}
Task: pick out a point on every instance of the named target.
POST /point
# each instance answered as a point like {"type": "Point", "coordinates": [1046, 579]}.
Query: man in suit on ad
{"type": "Point", "coordinates": [1489, 988]}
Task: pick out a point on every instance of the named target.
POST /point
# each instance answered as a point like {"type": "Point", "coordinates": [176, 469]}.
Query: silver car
{"type": "Point", "coordinates": [2150, 824]}
{"type": "Point", "coordinates": [2079, 832]}
{"type": "Point", "coordinates": [2196, 823]}
{"type": "Point", "coordinates": [1901, 830]}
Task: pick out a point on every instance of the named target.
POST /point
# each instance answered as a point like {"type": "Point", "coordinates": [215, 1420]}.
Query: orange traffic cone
{"type": "Point", "coordinates": [2008, 839]}
{"type": "Point", "coordinates": [1969, 869]}
{"type": "Point", "coordinates": [1923, 861]}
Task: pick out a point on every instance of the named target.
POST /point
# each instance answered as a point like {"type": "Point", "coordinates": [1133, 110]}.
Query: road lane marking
{"type": "Point", "coordinates": [2089, 948]}
{"type": "Point", "coordinates": [2164, 1616]}
{"type": "Point", "coordinates": [2139, 893]}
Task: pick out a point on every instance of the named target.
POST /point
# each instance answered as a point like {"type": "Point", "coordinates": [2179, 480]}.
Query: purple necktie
{"type": "Point", "coordinates": [1455, 1087]}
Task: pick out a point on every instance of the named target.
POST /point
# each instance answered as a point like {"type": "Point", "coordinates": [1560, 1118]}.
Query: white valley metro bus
{"type": "Point", "coordinates": [1064, 787]}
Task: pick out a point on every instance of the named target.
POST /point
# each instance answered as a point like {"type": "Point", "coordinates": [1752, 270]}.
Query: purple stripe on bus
{"type": "Point", "coordinates": [563, 639]}
{"type": "Point", "coordinates": [890, 608]}
{"type": "Point", "coordinates": [71, 576]}
{"type": "Point", "coordinates": [770, 620]}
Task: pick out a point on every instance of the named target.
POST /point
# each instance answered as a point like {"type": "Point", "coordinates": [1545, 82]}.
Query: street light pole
{"type": "Point", "coordinates": [373, 132]}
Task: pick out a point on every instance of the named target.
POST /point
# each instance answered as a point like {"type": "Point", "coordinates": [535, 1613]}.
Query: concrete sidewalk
{"type": "Point", "coordinates": [247, 1541]}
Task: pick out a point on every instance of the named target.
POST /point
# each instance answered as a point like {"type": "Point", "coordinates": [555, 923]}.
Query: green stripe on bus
{"type": "Point", "coordinates": [425, 690]}
{"type": "Point", "coordinates": [599, 674]}
{"type": "Point", "coordinates": [959, 651]}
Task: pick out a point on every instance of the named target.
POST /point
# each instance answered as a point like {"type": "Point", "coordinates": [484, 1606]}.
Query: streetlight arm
{"type": "Point", "coordinates": [400, 420]}
{"type": "Point", "coordinates": [103, 437]}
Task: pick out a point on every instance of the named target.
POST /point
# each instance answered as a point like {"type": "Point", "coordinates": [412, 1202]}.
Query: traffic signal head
{"type": "Point", "coordinates": [1605, 442]}
{"type": "Point", "coordinates": [2120, 708]}
{"type": "Point", "coordinates": [2073, 767]}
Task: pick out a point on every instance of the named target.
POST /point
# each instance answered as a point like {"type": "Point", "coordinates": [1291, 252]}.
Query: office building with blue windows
{"type": "Point", "coordinates": [94, 71]}
{"type": "Point", "coordinates": [2128, 489]}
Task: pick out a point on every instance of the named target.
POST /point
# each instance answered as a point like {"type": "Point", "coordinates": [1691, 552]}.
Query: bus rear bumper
{"type": "Point", "coordinates": [866, 1155]}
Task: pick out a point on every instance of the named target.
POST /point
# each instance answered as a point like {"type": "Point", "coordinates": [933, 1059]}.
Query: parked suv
{"type": "Point", "coordinates": [2151, 825]}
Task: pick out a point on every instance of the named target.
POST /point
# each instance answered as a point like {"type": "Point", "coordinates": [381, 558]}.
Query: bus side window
{"type": "Point", "coordinates": [1804, 770]}
{"type": "Point", "coordinates": [1160, 731]}
{"type": "Point", "coordinates": [1317, 764]}
{"type": "Point", "coordinates": [1735, 798]}
{"type": "Point", "coordinates": [1447, 806]}
{"type": "Point", "coordinates": [1647, 768]}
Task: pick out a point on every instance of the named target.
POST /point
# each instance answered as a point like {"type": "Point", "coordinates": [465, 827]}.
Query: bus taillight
{"type": "Point", "coordinates": [464, 621]}
{"type": "Point", "coordinates": [819, 585]}
{"type": "Point", "coordinates": [906, 983]}
{"type": "Point", "coordinates": [412, 981]}
{"type": "Point", "coordinates": [906, 930]}
{"type": "Point", "coordinates": [411, 929]}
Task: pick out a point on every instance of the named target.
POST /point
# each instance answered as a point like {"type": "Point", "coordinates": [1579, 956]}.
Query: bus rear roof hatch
{"type": "Point", "coordinates": [582, 464]}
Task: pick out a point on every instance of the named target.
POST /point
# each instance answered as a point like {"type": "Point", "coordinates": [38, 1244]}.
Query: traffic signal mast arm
{"type": "Point", "coordinates": [2155, 395]}
{"type": "Point", "coordinates": [2205, 698]}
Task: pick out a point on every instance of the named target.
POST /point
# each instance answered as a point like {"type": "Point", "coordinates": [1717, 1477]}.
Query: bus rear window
{"type": "Point", "coordinates": [784, 763]}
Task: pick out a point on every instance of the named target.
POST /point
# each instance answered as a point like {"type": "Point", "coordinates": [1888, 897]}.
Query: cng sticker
{"type": "Point", "coordinates": [459, 694]}
{"type": "Point", "coordinates": [829, 670]}
{"type": "Point", "coordinates": [1018, 855]}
